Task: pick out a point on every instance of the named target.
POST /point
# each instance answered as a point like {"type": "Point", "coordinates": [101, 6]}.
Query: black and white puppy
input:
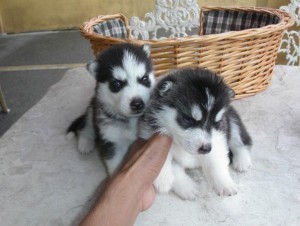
{"type": "Point", "coordinates": [124, 79]}
{"type": "Point", "coordinates": [193, 107]}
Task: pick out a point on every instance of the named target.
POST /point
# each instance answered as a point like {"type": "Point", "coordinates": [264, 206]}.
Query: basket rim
{"type": "Point", "coordinates": [286, 20]}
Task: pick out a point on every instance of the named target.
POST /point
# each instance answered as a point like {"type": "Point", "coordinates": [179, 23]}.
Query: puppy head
{"type": "Point", "coordinates": [188, 105]}
{"type": "Point", "coordinates": [124, 75]}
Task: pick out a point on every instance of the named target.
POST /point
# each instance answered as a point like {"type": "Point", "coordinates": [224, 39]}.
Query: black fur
{"type": "Point", "coordinates": [113, 57]}
{"type": "Point", "coordinates": [189, 88]}
{"type": "Point", "coordinates": [184, 88]}
{"type": "Point", "coordinates": [99, 112]}
{"type": "Point", "coordinates": [77, 124]}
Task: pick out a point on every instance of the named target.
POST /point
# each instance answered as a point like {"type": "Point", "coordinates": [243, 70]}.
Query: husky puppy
{"type": "Point", "coordinates": [193, 107]}
{"type": "Point", "coordinates": [124, 79]}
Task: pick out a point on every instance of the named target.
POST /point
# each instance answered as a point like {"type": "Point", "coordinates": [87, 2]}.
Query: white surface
{"type": "Point", "coordinates": [45, 181]}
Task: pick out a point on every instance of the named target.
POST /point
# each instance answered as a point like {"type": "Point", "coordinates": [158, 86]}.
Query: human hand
{"type": "Point", "coordinates": [131, 190]}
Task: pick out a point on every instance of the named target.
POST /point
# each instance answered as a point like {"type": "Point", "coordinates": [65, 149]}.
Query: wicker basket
{"type": "Point", "coordinates": [245, 58]}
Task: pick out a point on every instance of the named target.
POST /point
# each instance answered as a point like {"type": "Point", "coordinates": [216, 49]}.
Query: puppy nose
{"type": "Point", "coordinates": [205, 148]}
{"type": "Point", "coordinates": [137, 104]}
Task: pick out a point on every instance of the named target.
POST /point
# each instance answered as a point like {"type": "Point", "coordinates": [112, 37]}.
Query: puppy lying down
{"type": "Point", "coordinates": [193, 107]}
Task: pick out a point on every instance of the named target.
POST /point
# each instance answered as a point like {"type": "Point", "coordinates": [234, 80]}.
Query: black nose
{"type": "Point", "coordinates": [205, 148]}
{"type": "Point", "coordinates": [137, 104]}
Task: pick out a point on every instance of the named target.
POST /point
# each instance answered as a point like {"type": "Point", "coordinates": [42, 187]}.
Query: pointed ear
{"type": "Point", "coordinates": [165, 87]}
{"type": "Point", "coordinates": [231, 93]}
{"type": "Point", "coordinates": [92, 67]}
{"type": "Point", "coordinates": [147, 49]}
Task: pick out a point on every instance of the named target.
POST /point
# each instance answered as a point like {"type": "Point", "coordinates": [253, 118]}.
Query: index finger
{"type": "Point", "coordinates": [154, 155]}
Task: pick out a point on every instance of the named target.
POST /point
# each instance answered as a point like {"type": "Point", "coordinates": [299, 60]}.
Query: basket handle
{"type": "Point", "coordinates": [88, 26]}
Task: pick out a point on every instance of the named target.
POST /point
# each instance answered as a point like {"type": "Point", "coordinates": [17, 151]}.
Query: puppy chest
{"type": "Point", "coordinates": [120, 132]}
{"type": "Point", "coordinates": [184, 158]}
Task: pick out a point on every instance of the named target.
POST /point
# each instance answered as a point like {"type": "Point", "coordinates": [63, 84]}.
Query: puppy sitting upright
{"type": "Point", "coordinates": [193, 107]}
{"type": "Point", "coordinates": [124, 79]}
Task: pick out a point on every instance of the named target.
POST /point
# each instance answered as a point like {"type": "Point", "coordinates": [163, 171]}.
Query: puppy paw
{"type": "Point", "coordinates": [164, 183]}
{"type": "Point", "coordinates": [186, 189]}
{"type": "Point", "coordinates": [241, 162]}
{"type": "Point", "coordinates": [70, 136]}
{"type": "Point", "coordinates": [85, 145]}
{"type": "Point", "coordinates": [226, 188]}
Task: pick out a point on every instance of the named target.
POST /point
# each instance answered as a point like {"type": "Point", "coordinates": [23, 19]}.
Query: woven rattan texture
{"type": "Point", "coordinates": [244, 58]}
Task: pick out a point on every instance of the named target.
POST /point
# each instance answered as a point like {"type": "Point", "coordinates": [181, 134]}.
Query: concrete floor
{"type": "Point", "coordinates": [24, 88]}
{"type": "Point", "coordinates": [45, 181]}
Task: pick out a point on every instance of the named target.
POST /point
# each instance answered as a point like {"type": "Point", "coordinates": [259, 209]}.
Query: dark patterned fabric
{"type": "Point", "coordinates": [112, 28]}
{"type": "Point", "coordinates": [216, 22]}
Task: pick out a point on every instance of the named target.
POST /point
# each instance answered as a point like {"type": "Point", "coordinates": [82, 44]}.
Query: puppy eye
{"type": "Point", "coordinates": [217, 124]}
{"type": "Point", "coordinates": [189, 121]}
{"type": "Point", "coordinates": [145, 79]}
{"type": "Point", "coordinates": [116, 85]}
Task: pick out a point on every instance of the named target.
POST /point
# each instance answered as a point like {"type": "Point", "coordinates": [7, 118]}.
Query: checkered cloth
{"type": "Point", "coordinates": [216, 22]}
{"type": "Point", "coordinates": [112, 28]}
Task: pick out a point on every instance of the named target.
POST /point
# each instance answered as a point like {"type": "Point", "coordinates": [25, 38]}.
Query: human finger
{"type": "Point", "coordinates": [152, 158]}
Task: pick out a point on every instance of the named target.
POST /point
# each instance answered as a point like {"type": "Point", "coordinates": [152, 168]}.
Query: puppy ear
{"type": "Point", "coordinates": [231, 93]}
{"type": "Point", "coordinates": [92, 67]}
{"type": "Point", "coordinates": [165, 87]}
{"type": "Point", "coordinates": [147, 49]}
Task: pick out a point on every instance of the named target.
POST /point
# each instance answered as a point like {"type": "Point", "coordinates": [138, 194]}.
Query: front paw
{"type": "Point", "coordinates": [225, 188]}
{"type": "Point", "coordinates": [85, 145]}
{"type": "Point", "coordinates": [241, 162]}
{"type": "Point", "coordinates": [164, 183]}
{"type": "Point", "coordinates": [186, 189]}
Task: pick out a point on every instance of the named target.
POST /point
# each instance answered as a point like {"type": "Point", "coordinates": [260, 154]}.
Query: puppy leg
{"type": "Point", "coordinates": [86, 135]}
{"type": "Point", "coordinates": [215, 166]}
{"type": "Point", "coordinates": [239, 143]}
{"type": "Point", "coordinates": [164, 181]}
{"type": "Point", "coordinates": [183, 185]}
{"type": "Point", "coordinates": [114, 157]}
{"type": "Point", "coordinates": [241, 160]}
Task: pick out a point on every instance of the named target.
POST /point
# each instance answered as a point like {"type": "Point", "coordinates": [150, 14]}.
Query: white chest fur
{"type": "Point", "coordinates": [185, 159]}
{"type": "Point", "coordinates": [120, 132]}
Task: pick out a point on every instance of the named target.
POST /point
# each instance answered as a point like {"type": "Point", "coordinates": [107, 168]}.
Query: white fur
{"type": "Point", "coordinates": [183, 185]}
{"type": "Point", "coordinates": [120, 102]}
{"type": "Point", "coordinates": [86, 136]}
{"type": "Point", "coordinates": [121, 134]}
{"type": "Point", "coordinates": [132, 67]}
{"type": "Point", "coordinates": [119, 130]}
{"type": "Point", "coordinates": [220, 115]}
{"type": "Point", "coordinates": [92, 67]}
{"type": "Point", "coordinates": [241, 157]}
{"type": "Point", "coordinates": [215, 165]}
{"type": "Point", "coordinates": [190, 139]}
{"type": "Point", "coordinates": [210, 100]}
{"type": "Point", "coordinates": [70, 136]}
{"type": "Point", "coordinates": [119, 73]}
{"type": "Point", "coordinates": [196, 112]}
{"type": "Point", "coordinates": [147, 49]}
{"type": "Point", "coordinates": [164, 181]}
{"type": "Point", "coordinates": [183, 151]}
{"type": "Point", "coordinates": [130, 72]}
{"type": "Point", "coordinates": [241, 160]}
{"type": "Point", "coordinates": [124, 134]}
